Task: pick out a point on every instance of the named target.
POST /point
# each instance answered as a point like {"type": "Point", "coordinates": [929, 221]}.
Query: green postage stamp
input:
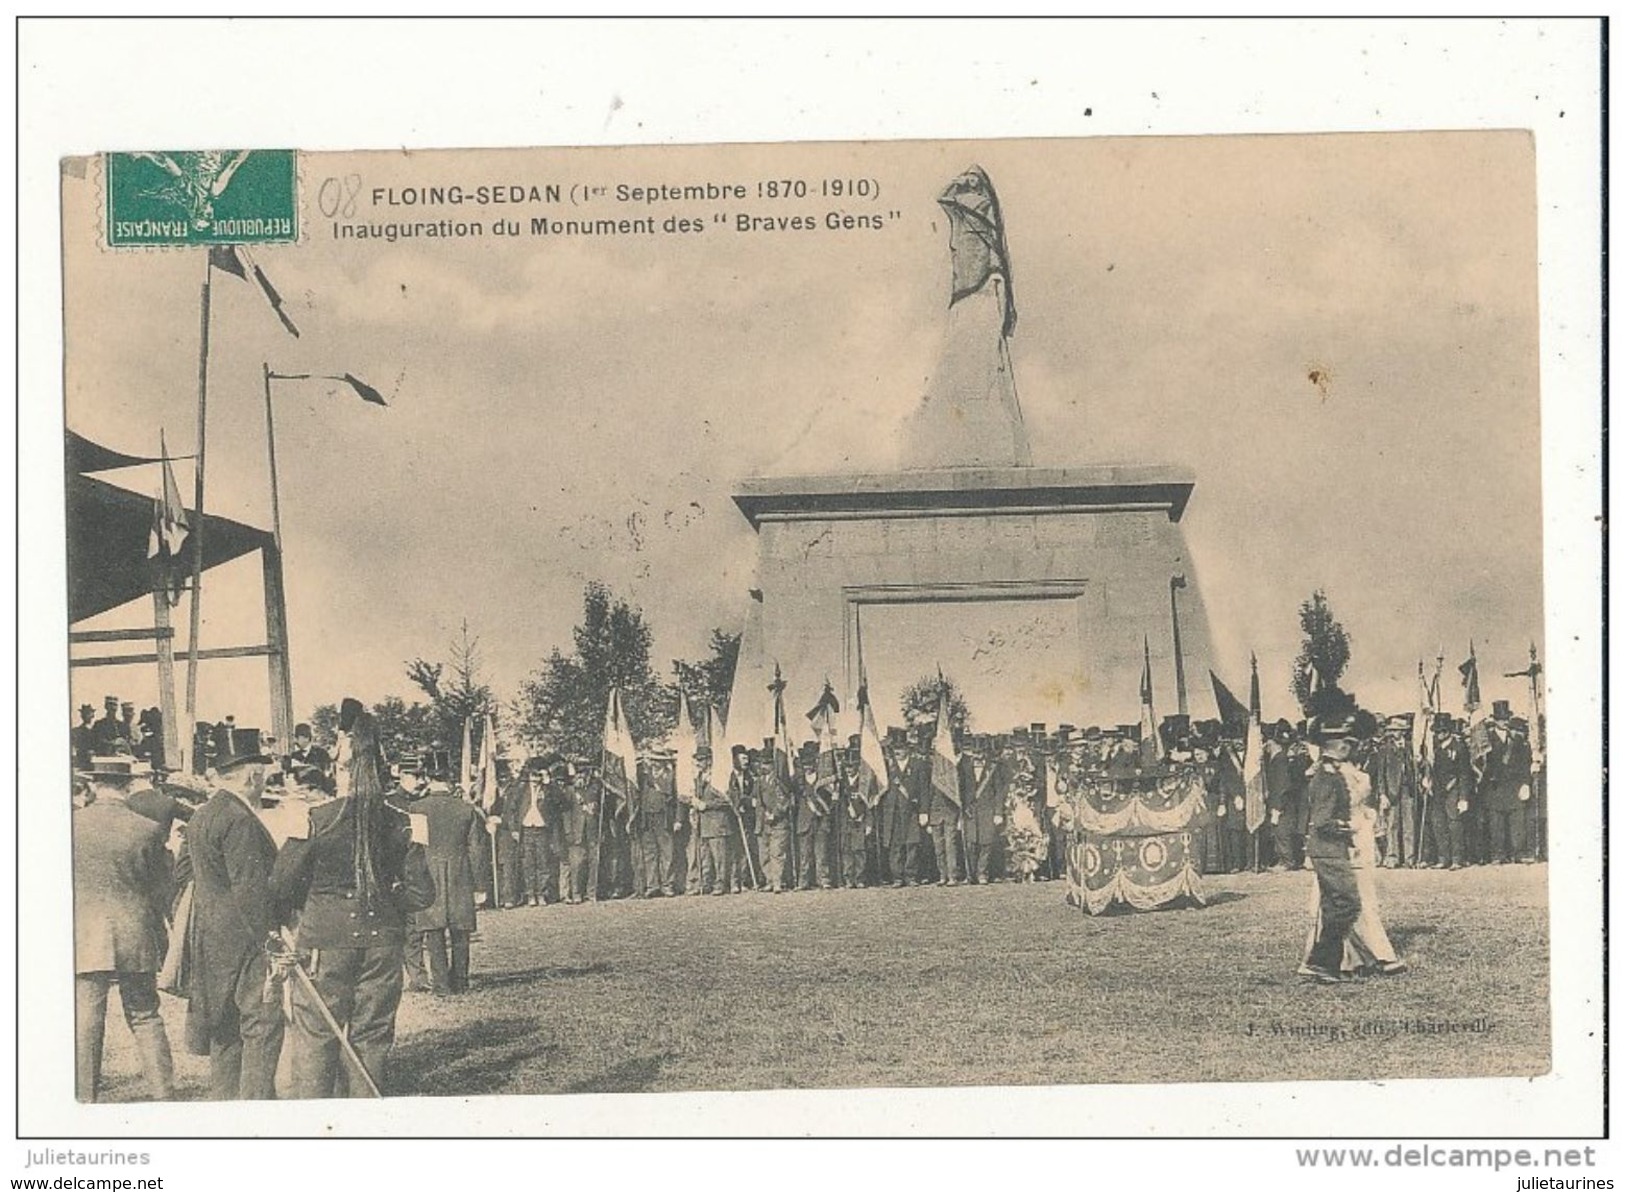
{"type": "Point", "coordinates": [218, 196]}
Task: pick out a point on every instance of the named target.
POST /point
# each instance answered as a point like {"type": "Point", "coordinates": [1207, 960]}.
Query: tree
{"type": "Point", "coordinates": [562, 705]}
{"type": "Point", "coordinates": [1325, 651]}
{"type": "Point", "coordinates": [919, 703]}
{"type": "Point", "coordinates": [710, 680]}
{"type": "Point", "coordinates": [456, 693]}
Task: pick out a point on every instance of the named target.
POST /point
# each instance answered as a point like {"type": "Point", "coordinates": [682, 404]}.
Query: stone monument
{"type": "Point", "coordinates": [1046, 582]}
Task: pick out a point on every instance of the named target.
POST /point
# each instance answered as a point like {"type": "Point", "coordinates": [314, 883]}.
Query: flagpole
{"type": "Point", "coordinates": [193, 643]}
{"type": "Point", "coordinates": [270, 446]}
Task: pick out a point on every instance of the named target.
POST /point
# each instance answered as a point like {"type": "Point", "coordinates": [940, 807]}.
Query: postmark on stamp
{"type": "Point", "coordinates": [221, 196]}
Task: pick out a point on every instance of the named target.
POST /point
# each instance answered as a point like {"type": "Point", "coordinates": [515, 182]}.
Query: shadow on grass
{"type": "Point", "coordinates": [543, 973]}
{"type": "Point", "coordinates": [630, 1076]}
{"type": "Point", "coordinates": [1401, 937]}
{"type": "Point", "coordinates": [475, 1058]}
{"type": "Point", "coordinates": [1220, 897]}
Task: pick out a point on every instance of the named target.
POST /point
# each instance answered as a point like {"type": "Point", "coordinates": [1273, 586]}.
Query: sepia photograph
{"type": "Point", "coordinates": [774, 615]}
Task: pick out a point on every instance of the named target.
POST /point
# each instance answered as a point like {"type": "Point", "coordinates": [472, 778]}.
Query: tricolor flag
{"type": "Point", "coordinates": [170, 526]}
{"type": "Point", "coordinates": [784, 750]}
{"type": "Point", "coordinates": [234, 259]}
{"type": "Point", "coordinates": [1150, 738]}
{"type": "Point", "coordinates": [486, 787]}
{"type": "Point", "coordinates": [619, 755]}
{"type": "Point", "coordinates": [1470, 699]}
{"type": "Point", "coordinates": [870, 782]}
{"type": "Point", "coordinates": [1252, 766]}
{"type": "Point", "coordinates": [687, 743]}
{"type": "Point", "coordinates": [944, 753]}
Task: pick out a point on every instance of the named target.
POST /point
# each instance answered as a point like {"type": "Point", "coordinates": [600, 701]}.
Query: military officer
{"type": "Point", "coordinates": [353, 880]}
{"type": "Point", "coordinates": [1334, 791]}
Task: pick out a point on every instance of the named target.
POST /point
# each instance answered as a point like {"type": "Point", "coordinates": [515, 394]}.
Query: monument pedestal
{"type": "Point", "coordinates": [1093, 548]}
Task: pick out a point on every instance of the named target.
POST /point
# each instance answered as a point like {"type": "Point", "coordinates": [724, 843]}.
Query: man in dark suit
{"type": "Point", "coordinates": [82, 737]}
{"type": "Point", "coordinates": [717, 827]}
{"type": "Point", "coordinates": [1285, 776]}
{"type": "Point", "coordinates": [234, 1015]}
{"type": "Point", "coordinates": [121, 888]}
{"type": "Point", "coordinates": [351, 880]}
{"type": "Point", "coordinates": [107, 734]}
{"type": "Point", "coordinates": [815, 799]}
{"type": "Point", "coordinates": [1504, 778]}
{"type": "Point", "coordinates": [774, 807]}
{"type": "Point", "coordinates": [581, 803]}
{"type": "Point", "coordinates": [456, 845]}
{"type": "Point", "coordinates": [901, 833]}
{"type": "Point", "coordinates": [984, 780]}
{"type": "Point", "coordinates": [1330, 845]}
{"type": "Point", "coordinates": [1451, 810]}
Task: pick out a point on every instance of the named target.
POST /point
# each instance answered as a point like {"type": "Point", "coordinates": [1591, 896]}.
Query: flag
{"type": "Point", "coordinates": [1470, 699]}
{"type": "Point", "coordinates": [465, 770]}
{"type": "Point", "coordinates": [784, 750]}
{"type": "Point", "coordinates": [234, 259]}
{"type": "Point", "coordinates": [686, 742]}
{"type": "Point", "coordinates": [944, 753]}
{"type": "Point", "coordinates": [619, 755]}
{"type": "Point", "coordinates": [722, 762]}
{"type": "Point", "coordinates": [871, 778]}
{"type": "Point", "coordinates": [1252, 766]}
{"type": "Point", "coordinates": [170, 526]}
{"type": "Point", "coordinates": [1150, 739]}
{"type": "Point", "coordinates": [823, 722]}
{"type": "Point", "coordinates": [487, 785]}
{"type": "Point", "coordinates": [1230, 708]}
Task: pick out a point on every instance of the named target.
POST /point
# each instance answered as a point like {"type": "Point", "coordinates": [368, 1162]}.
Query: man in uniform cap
{"type": "Point", "coordinates": [234, 1013]}
{"type": "Point", "coordinates": [1336, 787]}
{"type": "Point", "coordinates": [352, 880]}
{"type": "Point", "coordinates": [121, 890]}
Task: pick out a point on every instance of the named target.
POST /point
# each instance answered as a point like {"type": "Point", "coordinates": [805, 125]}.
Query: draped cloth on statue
{"type": "Point", "coordinates": [970, 417]}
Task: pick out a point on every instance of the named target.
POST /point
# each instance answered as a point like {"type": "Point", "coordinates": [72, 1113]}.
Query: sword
{"type": "Point", "coordinates": [303, 977]}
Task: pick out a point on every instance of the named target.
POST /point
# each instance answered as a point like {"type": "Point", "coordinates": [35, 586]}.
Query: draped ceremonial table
{"type": "Point", "coordinates": [1132, 839]}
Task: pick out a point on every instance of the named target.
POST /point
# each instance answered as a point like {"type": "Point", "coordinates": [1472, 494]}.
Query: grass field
{"type": "Point", "coordinates": [980, 985]}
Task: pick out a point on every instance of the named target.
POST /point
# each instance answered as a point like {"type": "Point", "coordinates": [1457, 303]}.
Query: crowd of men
{"type": "Point", "coordinates": [320, 885]}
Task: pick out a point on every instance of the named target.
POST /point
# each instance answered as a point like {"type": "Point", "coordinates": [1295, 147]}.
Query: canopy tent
{"type": "Point", "coordinates": [108, 531]}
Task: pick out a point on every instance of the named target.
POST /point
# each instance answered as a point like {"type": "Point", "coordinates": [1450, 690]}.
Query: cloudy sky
{"type": "Point", "coordinates": [573, 409]}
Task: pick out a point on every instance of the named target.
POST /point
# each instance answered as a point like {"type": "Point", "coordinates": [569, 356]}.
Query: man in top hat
{"type": "Point", "coordinates": [455, 847]}
{"type": "Point", "coordinates": [351, 881]}
{"type": "Point", "coordinates": [900, 833]}
{"type": "Point", "coordinates": [306, 752]}
{"type": "Point", "coordinates": [1504, 771]}
{"type": "Point", "coordinates": [234, 1014]}
{"type": "Point", "coordinates": [1336, 787]}
{"type": "Point", "coordinates": [985, 782]}
{"type": "Point", "coordinates": [856, 822]}
{"type": "Point", "coordinates": [121, 889]}
{"type": "Point", "coordinates": [82, 738]}
{"type": "Point", "coordinates": [1451, 810]}
{"type": "Point", "coordinates": [655, 821]}
{"type": "Point", "coordinates": [775, 807]}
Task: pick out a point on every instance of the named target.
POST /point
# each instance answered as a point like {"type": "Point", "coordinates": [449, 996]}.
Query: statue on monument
{"type": "Point", "coordinates": [970, 416]}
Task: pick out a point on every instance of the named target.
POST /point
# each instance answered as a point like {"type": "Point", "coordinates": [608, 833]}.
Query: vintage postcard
{"type": "Point", "coordinates": [1058, 612]}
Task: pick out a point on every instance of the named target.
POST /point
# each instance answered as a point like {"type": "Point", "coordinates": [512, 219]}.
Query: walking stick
{"type": "Point", "coordinates": [322, 1008]}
